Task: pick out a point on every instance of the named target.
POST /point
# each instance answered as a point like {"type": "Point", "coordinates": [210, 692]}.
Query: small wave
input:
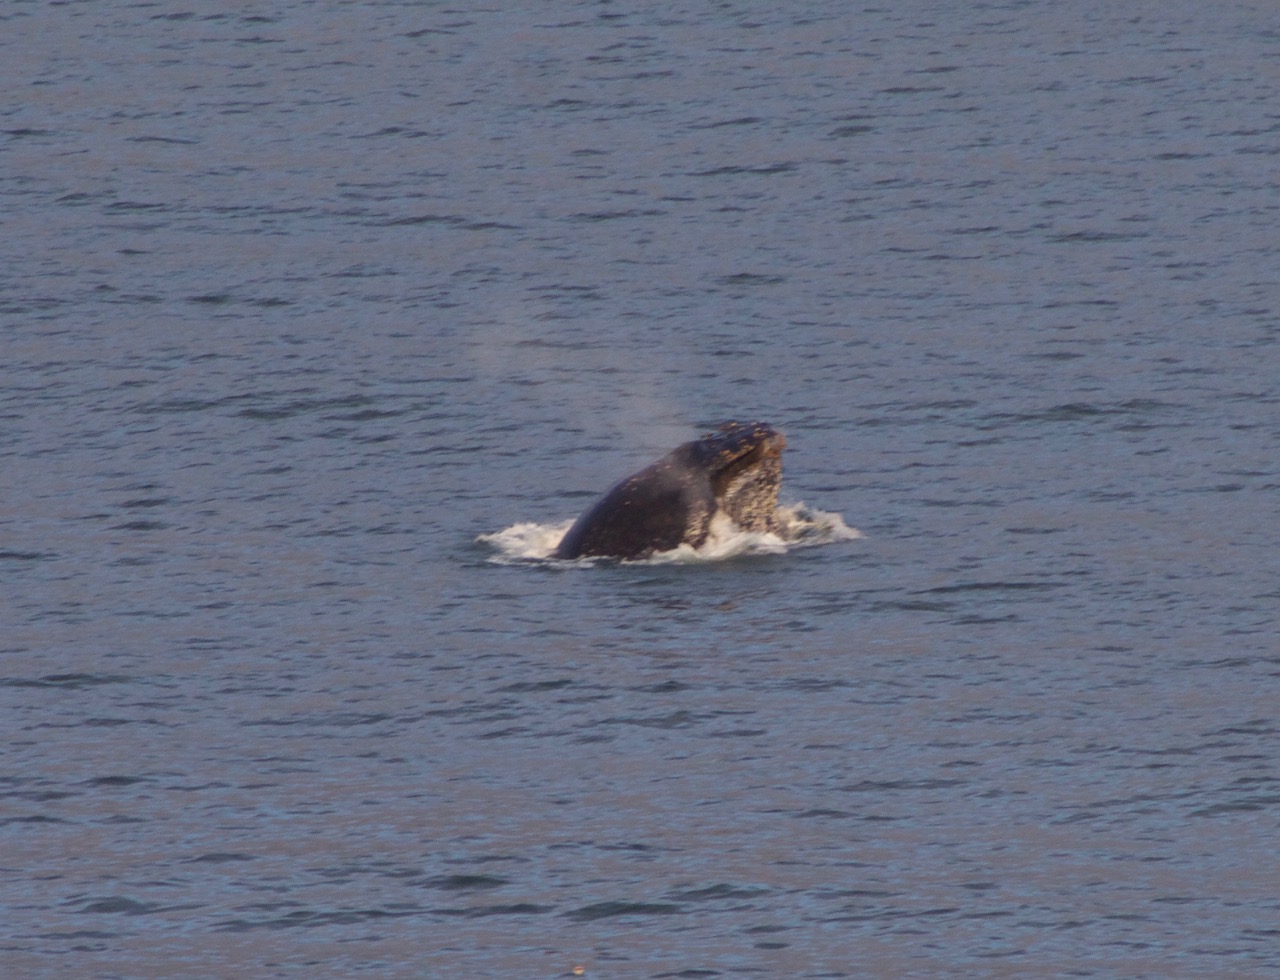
{"type": "Point", "coordinates": [803, 527]}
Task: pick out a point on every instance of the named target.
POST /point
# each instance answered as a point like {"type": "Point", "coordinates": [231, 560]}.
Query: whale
{"type": "Point", "coordinates": [734, 470]}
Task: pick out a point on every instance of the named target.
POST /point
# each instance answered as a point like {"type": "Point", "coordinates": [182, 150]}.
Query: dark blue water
{"type": "Point", "coordinates": [296, 304]}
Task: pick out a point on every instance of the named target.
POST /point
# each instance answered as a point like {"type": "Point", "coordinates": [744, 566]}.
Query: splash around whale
{"type": "Point", "coordinates": [713, 498]}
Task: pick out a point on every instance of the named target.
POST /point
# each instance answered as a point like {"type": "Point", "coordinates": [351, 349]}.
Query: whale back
{"type": "Point", "coordinates": [664, 505]}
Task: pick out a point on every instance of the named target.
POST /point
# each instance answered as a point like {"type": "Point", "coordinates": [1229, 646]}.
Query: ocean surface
{"type": "Point", "coordinates": [308, 311]}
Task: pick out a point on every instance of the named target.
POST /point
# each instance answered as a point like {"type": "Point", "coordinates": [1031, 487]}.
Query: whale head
{"type": "Point", "coordinates": [744, 463]}
{"type": "Point", "coordinates": [735, 469]}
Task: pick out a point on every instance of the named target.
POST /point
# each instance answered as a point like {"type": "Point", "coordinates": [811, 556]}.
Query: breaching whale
{"type": "Point", "coordinates": [735, 469]}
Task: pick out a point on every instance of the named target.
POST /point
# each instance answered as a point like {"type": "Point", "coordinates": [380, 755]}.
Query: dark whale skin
{"type": "Point", "coordinates": [736, 467]}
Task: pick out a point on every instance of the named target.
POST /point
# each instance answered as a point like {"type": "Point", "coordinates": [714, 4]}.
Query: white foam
{"type": "Point", "coordinates": [527, 540]}
{"type": "Point", "coordinates": [803, 527]}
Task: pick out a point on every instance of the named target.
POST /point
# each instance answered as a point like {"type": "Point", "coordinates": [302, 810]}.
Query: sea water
{"type": "Point", "coordinates": [319, 322]}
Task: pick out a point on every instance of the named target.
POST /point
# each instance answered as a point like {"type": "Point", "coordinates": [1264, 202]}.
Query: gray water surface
{"type": "Point", "coordinates": [296, 303]}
